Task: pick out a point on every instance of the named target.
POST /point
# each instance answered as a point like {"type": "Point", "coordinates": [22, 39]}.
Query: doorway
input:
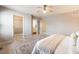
{"type": "Point", "coordinates": [35, 25]}
{"type": "Point", "coordinates": [17, 25]}
{"type": "Point", "coordinates": [38, 25]}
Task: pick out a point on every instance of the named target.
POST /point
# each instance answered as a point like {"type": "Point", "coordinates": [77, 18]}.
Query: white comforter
{"type": "Point", "coordinates": [48, 45]}
{"type": "Point", "coordinates": [66, 47]}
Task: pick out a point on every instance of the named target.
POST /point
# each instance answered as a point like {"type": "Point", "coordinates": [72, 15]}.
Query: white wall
{"type": "Point", "coordinates": [7, 22]}
{"type": "Point", "coordinates": [43, 25]}
{"type": "Point", "coordinates": [27, 25]}
{"type": "Point", "coordinates": [0, 22]}
{"type": "Point", "coordinates": [62, 23]}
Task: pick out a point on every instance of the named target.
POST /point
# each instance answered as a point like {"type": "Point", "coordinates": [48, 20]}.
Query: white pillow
{"type": "Point", "coordinates": [74, 35]}
{"type": "Point", "coordinates": [78, 44]}
{"type": "Point", "coordinates": [77, 33]}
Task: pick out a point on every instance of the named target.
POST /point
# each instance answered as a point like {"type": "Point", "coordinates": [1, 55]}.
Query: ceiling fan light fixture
{"type": "Point", "coordinates": [44, 11]}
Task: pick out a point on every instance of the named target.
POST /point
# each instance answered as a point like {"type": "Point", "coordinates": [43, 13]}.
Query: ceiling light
{"type": "Point", "coordinates": [44, 11]}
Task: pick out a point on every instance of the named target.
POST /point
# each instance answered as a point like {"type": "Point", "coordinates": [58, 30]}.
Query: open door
{"type": "Point", "coordinates": [17, 25]}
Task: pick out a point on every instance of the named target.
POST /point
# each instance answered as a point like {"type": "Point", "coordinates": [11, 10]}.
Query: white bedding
{"type": "Point", "coordinates": [65, 47]}
{"type": "Point", "coordinates": [48, 45]}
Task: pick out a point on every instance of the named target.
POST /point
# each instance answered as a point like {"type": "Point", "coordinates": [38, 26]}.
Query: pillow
{"type": "Point", "coordinates": [69, 44]}
{"type": "Point", "coordinates": [74, 35]}
{"type": "Point", "coordinates": [77, 44]}
{"type": "Point", "coordinates": [77, 33]}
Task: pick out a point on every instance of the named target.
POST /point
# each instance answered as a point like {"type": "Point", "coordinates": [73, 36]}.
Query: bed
{"type": "Point", "coordinates": [55, 44]}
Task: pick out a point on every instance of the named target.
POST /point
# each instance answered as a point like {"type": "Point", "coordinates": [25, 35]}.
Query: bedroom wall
{"type": "Point", "coordinates": [7, 22]}
{"type": "Point", "coordinates": [62, 23]}
{"type": "Point", "coordinates": [0, 22]}
{"type": "Point", "coordinates": [43, 26]}
{"type": "Point", "coordinates": [27, 25]}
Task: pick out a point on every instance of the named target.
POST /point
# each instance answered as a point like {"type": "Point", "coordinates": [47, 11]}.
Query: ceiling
{"type": "Point", "coordinates": [31, 9]}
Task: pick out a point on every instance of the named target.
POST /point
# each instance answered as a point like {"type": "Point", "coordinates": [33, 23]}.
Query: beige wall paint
{"type": "Point", "coordinates": [62, 23]}
{"type": "Point", "coordinates": [43, 26]}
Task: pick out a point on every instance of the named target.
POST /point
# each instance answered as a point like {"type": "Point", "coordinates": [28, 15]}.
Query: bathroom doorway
{"type": "Point", "coordinates": [35, 26]}
{"type": "Point", "coordinates": [38, 25]}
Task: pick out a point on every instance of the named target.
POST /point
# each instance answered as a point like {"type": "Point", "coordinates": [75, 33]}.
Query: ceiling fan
{"type": "Point", "coordinates": [45, 9]}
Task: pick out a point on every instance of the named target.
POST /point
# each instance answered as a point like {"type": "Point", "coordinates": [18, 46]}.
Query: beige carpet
{"type": "Point", "coordinates": [23, 44]}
